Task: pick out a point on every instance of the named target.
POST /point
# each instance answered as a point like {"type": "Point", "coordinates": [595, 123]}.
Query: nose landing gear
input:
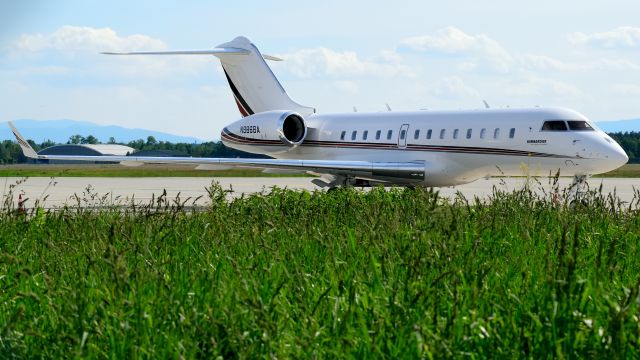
{"type": "Point", "coordinates": [579, 187]}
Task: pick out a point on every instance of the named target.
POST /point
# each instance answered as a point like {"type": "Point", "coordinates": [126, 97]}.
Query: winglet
{"type": "Point", "coordinates": [27, 150]}
{"type": "Point", "coordinates": [271, 57]}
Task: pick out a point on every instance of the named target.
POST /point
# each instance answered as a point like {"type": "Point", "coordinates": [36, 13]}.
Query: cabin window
{"type": "Point", "coordinates": [342, 135]}
{"type": "Point", "coordinates": [378, 134]}
{"type": "Point", "coordinates": [416, 134]}
{"type": "Point", "coordinates": [483, 133]}
{"type": "Point", "coordinates": [468, 133]}
{"type": "Point", "coordinates": [580, 126]}
{"type": "Point", "coordinates": [512, 133]}
{"type": "Point", "coordinates": [455, 133]}
{"type": "Point", "coordinates": [496, 133]}
{"type": "Point", "coordinates": [389, 134]}
{"type": "Point", "coordinates": [429, 134]}
{"type": "Point", "coordinates": [554, 125]}
{"type": "Point", "coordinates": [442, 132]}
{"type": "Point", "coordinates": [403, 134]}
{"type": "Point", "coordinates": [365, 134]}
{"type": "Point", "coordinates": [353, 135]}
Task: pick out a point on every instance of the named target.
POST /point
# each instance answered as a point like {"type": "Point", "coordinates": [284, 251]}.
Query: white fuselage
{"type": "Point", "coordinates": [456, 146]}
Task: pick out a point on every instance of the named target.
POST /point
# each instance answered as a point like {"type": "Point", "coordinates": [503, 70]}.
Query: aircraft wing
{"type": "Point", "coordinates": [409, 171]}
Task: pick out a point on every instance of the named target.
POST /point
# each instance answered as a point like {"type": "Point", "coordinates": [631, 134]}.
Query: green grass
{"type": "Point", "coordinates": [91, 170]}
{"type": "Point", "coordinates": [395, 274]}
{"type": "Point", "coordinates": [626, 171]}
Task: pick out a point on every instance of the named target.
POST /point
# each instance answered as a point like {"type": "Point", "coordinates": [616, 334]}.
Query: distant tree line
{"type": "Point", "coordinates": [10, 152]}
{"type": "Point", "coordinates": [630, 142]}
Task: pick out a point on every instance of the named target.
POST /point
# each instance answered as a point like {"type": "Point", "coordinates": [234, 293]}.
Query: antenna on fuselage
{"type": "Point", "coordinates": [486, 104]}
{"type": "Point", "coordinates": [388, 107]}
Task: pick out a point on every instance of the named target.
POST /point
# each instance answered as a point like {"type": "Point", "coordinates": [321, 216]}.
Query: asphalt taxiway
{"type": "Point", "coordinates": [87, 191]}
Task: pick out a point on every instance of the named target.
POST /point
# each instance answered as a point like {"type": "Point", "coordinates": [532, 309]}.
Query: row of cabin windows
{"type": "Point", "coordinates": [416, 134]}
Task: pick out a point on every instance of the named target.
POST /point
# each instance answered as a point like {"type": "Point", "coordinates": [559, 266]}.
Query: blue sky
{"type": "Point", "coordinates": [411, 54]}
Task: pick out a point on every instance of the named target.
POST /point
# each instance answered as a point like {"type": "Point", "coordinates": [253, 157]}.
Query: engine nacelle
{"type": "Point", "coordinates": [266, 132]}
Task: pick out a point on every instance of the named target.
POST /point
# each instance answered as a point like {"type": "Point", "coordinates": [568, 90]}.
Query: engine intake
{"type": "Point", "coordinates": [266, 132]}
{"type": "Point", "coordinates": [292, 129]}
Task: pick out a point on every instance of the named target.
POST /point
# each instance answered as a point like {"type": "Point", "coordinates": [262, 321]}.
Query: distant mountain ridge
{"type": "Point", "coordinates": [59, 131]}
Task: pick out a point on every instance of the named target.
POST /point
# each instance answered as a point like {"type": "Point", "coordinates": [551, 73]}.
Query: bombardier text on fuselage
{"type": "Point", "coordinates": [418, 148]}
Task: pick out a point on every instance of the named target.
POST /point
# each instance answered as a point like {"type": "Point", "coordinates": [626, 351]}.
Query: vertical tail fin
{"type": "Point", "coordinates": [254, 86]}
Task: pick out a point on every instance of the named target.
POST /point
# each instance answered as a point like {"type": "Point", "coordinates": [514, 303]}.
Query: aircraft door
{"type": "Point", "coordinates": [402, 136]}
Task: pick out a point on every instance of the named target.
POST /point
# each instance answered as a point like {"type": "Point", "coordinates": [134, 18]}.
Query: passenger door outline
{"type": "Point", "coordinates": [402, 142]}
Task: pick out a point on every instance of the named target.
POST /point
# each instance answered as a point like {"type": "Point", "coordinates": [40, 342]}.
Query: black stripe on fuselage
{"type": "Point", "coordinates": [229, 136]}
{"type": "Point", "coordinates": [234, 138]}
{"type": "Point", "coordinates": [237, 94]}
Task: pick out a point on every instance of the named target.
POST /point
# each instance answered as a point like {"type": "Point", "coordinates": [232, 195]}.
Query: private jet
{"type": "Point", "coordinates": [415, 148]}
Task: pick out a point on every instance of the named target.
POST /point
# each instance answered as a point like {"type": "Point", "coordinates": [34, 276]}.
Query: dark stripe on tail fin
{"type": "Point", "coordinates": [244, 108]}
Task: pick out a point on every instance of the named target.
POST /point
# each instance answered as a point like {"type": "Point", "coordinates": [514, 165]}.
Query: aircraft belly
{"type": "Point", "coordinates": [442, 168]}
{"type": "Point", "coordinates": [468, 168]}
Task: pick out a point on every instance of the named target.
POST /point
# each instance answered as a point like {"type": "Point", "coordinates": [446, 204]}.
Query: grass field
{"type": "Point", "coordinates": [395, 274]}
{"type": "Point", "coordinates": [626, 171]}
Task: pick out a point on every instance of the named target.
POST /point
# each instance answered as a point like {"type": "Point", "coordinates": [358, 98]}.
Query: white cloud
{"type": "Point", "coordinates": [451, 40]}
{"type": "Point", "coordinates": [626, 89]}
{"type": "Point", "coordinates": [618, 64]}
{"type": "Point", "coordinates": [82, 38]}
{"type": "Point", "coordinates": [80, 47]}
{"type": "Point", "coordinates": [307, 63]}
{"type": "Point", "coordinates": [479, 51]}
{"type": "Point", "coordinates": [621, 37]}
{"type": "Point", "coordinates": [454, 87]}
{"type": "Point", "coordinates": [545, 63]}
{"type": "Point", "coordinates": [391, 56]}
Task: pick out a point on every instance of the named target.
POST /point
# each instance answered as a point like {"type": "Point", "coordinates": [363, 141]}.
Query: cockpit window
{"type": "Point", "coordinates": [580, 126]}
{"type": "Point", "coordinates": [554, 125]}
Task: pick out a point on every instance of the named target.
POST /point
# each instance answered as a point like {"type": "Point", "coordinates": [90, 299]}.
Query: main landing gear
{"type": "Point", "coordinates": [340, 181]}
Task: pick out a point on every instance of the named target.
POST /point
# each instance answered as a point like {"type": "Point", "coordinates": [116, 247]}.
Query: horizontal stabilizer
{"type": "Point", "coordinates": [214, 51]}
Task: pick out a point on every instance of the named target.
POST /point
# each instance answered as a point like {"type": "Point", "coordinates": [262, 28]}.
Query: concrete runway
{"type": "Point", "coordinates": [121, 191]}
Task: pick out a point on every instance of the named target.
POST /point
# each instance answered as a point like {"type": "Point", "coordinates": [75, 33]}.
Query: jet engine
{"type": "Point", "coordinates": [270, 131]}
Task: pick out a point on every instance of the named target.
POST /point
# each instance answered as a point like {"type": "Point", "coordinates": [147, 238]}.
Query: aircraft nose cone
{"type": "Point", "coordinates": [623, 157]}
{"type": "Point", "coordinates": [619, 156]}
